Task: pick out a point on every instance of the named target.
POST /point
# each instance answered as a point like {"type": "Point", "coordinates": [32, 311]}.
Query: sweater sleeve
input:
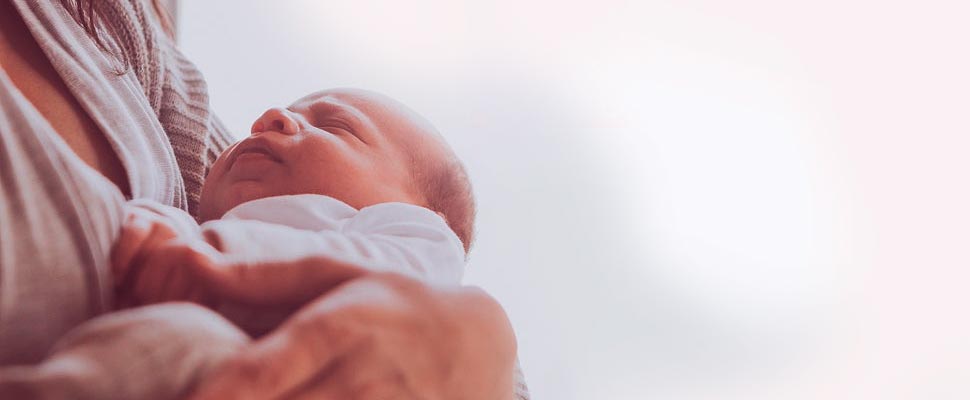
{"type": "Point", "coordinates": [178, 94]}
{"type": "Point", "coordinates": [196, 134]}
{"type": "Point", "coordinates": [521, 390]}
{"type": "Point", "coordinates": [219, 140]}
{"type": "Point", "coordinates": [153, 352]}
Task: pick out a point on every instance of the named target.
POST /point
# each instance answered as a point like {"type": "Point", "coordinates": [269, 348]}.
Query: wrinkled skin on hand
{"type": "Point", "coordinates": [369, 336]}
{"type": "Point", "coordinates": [378, 336]}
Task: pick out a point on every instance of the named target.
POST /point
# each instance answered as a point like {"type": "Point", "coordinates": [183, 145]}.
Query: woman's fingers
{"type": "Point", "coordinates": [358, 376]}
{"type": "Point", "coordinates": [259, 373]}
{"type": "Point", "coordinates": [289, 357]}
{"type": "Point", "coordinates": [277, 283]}
{"type": "Point", "coordinates": [381, 336]}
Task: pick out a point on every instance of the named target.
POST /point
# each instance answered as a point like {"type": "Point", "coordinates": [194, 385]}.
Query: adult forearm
{"type": "Point", "coordinates": [380, 336]}
{"type": "Point", "coordinates": [148, 353]}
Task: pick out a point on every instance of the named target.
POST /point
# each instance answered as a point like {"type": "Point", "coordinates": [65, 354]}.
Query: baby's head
{"type": "Point", "coordinates": [359, 147]}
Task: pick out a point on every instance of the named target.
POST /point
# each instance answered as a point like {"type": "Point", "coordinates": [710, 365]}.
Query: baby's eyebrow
{"type": "Point", "coordinates": [345, 113]}
{"type": "Point", "coordinates": [329, 109]}
{"type": "Point", "coordinates": [346, 110]}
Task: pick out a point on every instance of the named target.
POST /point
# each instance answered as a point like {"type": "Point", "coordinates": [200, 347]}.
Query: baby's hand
{"type": "Point", "coordinates": [156, 258]}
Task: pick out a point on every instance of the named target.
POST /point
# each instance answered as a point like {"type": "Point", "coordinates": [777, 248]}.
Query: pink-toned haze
{"type": "Point", "coordinates": [678, 199]}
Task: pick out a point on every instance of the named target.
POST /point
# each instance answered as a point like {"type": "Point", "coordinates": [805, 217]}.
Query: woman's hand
{"type": "Point", "coordinates": [376, 336]}
{"type": "Point", "coordinates": [157, 257]}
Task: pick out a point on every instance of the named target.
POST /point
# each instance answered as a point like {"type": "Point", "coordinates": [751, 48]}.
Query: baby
{"type": "Point", "coordinates": [342, 177]}
{"type": "Point", "coordinates": [349, 175]}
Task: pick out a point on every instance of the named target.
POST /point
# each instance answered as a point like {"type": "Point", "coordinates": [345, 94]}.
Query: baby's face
{"type": "Point", "coordinates": [356, 146]}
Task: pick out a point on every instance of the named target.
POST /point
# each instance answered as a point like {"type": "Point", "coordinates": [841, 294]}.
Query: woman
{"type": "Point", "coordinates": [96, 106]}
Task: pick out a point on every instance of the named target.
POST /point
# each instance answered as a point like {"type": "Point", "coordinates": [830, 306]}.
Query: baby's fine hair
{"type": "Point", "coordinates": [447, 189]}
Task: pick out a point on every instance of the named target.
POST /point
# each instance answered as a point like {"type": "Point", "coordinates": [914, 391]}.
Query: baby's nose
{"type": "Point", "coordinates": [277, 119]}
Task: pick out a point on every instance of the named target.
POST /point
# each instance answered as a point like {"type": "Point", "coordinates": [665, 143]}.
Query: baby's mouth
{"type": "Point", "coordinates": [255, 153]}
{"type": "Point", "coordinates": [254, 149]}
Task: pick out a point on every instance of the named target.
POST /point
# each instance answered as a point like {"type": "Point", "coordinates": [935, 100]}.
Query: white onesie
{"type": "Point", "coordinates": [393, 237]}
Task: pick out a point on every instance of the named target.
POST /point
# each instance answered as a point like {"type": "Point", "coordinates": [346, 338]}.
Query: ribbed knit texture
{"type": "Point", "coordinates": [174, 87]}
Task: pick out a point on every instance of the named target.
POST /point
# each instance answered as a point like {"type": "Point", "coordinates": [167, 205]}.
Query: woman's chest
{"type": "Point", "coordinates": [27, 66]}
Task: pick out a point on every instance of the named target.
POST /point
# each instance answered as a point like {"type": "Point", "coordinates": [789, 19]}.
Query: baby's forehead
{"type": "Point", "coordinates": [391, 118]}
{"type": "Point", "coordinates": [377, 108]}
{"type": "Point", "coordinates": [355, 98]}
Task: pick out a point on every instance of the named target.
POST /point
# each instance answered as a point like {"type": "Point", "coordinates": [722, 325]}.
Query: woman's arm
{"type": "Point", "coordinates": [377, 336]}
{"type": "Point", "coordinates": [418, 329]}
{"type": "Point", "coordinates": [150, 353]}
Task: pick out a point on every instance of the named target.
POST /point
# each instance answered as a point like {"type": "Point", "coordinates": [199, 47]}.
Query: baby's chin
{"type": "Point", "coordinates": [217, 203]}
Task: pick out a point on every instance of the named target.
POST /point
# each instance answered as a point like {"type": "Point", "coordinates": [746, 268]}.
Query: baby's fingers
{"type": "Point", "coordinates": [170, 273]}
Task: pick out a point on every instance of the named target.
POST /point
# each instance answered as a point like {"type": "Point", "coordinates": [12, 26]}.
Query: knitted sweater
{"type": "Point", "coordinates": [175, 90]}
{"type": "Point", "coordinates": [58, 217]}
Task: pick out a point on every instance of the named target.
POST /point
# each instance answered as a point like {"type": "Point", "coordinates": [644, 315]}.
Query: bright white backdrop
{"type": "Point", "coordinates": [678, 199]}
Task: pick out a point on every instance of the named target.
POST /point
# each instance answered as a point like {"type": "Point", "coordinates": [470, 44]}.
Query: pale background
{"type": "Point", "coordinates": [678, 199]}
